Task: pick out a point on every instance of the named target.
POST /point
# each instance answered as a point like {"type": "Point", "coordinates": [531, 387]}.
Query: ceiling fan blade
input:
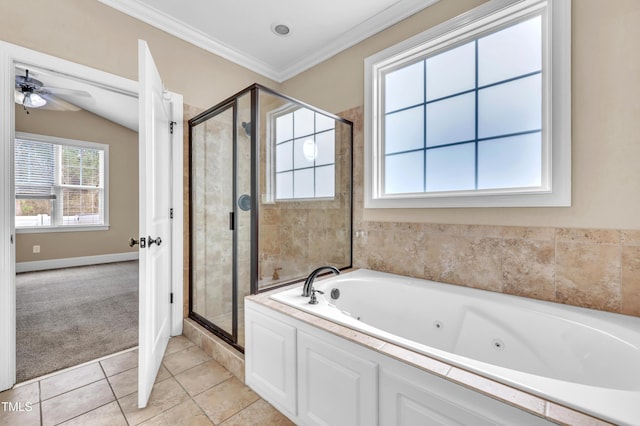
{"type": "Point", "coordinates": [65, 92]}
{"type": "Point", "coordinates": [53, 103]}
{"type": "Point", "coordinates": [56, 104]}
{"type": "Point", "coordinates": [18, 96]}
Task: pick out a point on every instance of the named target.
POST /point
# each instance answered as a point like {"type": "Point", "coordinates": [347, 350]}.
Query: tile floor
{"type": "Point", "coordinates": [191, 389]}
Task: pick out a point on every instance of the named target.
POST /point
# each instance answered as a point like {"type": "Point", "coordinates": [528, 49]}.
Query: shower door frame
{"type": "Point", "coordinates": [231, 102]}
{"type": "Point", "coordinates": [255, 91]}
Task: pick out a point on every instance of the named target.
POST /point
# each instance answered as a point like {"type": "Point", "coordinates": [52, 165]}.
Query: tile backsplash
{"type": "Point", "coordinates": [592, 268]}
{"type": "Point", "coordinates": [597, 269]}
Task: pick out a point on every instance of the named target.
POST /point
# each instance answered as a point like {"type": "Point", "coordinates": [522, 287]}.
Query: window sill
{"type": "Point", "coordinates": [561, 197]}
{"type": "Point", "coordinates": [305, 200]}
{"type": "Point", "coordinates": [49, 229]}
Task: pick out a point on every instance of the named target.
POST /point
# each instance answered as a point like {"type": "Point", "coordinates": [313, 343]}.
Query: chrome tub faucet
{"type": "Point", "coordinates": [308, 290]}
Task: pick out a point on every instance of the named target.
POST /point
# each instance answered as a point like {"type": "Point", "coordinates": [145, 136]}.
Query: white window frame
{"type": "Point", "coordinates": [556, 106]}
{"type": "Point", "coordinates": [105, 184]}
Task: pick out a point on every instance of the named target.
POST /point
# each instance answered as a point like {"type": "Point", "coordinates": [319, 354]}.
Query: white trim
{"type": "Point", "coordinates": [7, 217]}
{"type": "Point", "coordinates": [67, 228]}
{"type": "Point", "coordinates": [557, 118]}
{"type": "Point", "coordinates": [60, 141]}
{"type": "Point", "coordinates": [70, 262]}
{"type": "Point", "coordinates": [177, 223]}
{"type": "Point", "coordinates": [9, 55]}
{"type": "Point", "coordinates": [169, 24]}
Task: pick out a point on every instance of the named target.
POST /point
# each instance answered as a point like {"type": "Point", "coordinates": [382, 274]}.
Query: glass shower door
{"type": "Point", "coordinates": [212, 222]}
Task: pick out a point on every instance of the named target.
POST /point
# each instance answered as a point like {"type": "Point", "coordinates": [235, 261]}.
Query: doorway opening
{"type": "Point", "coordinates": [72, 221]}
{"type": "Point", "coordinates": [172, 236]}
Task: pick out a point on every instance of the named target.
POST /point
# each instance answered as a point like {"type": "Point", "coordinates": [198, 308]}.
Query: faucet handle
{"type": "Point", "coordinates": [275, 275]}
{"type": "Point", "coordinates": [313, 300]}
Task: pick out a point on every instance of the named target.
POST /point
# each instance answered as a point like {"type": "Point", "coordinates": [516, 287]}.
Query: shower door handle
{"type": "Point", "coordinates": [232, 221]}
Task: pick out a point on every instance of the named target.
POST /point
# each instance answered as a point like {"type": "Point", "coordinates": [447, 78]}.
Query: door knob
{"type": "Point", "coordinates": [151, 241]}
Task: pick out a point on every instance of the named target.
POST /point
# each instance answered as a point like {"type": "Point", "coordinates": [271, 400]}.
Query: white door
{"type": "Point", "coordinates": [155, 222]}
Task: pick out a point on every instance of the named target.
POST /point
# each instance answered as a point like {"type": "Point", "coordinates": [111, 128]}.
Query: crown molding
{"type": "Point", "coordinates": [181, 30]}
{"type": "Point", "coordinates": [368, 28]}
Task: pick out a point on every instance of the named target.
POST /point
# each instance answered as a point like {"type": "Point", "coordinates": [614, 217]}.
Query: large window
{"type": "Point", "coordinates": [59, 183]}
{"type": "Point", "coordinates": [304, 155]}
{"type": "Point", "coordinates": [465, 115]}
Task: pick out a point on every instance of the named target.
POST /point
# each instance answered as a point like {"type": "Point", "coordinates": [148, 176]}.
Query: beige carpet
{"type": "Point", "coordinates": [65, 317]}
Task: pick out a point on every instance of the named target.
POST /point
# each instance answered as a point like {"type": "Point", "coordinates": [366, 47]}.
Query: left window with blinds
{"type": "Point", "coordinates": [60, 183]}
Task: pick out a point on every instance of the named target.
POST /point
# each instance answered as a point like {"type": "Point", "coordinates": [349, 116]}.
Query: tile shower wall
{"type": "Point", "coordinates": [297, 236]}
{"type": "Point", "coordinates": [592, 268]}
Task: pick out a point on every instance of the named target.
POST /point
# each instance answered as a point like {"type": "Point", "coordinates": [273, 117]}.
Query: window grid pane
{"type": "Point", "coordinates": [81, 206]}
{"type": "Point", "coordinates": [462, 112]}
{"type": "Point", "coordinates": [305, 149]}
{"type": "Point", "coordinates": [58, 185]}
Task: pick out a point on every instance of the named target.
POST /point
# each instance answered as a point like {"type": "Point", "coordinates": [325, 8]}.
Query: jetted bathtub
{"type": "Point", "coordinates": [585, 359]}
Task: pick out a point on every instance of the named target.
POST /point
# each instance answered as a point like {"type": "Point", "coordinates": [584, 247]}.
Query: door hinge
{"type": "Point", "coordinates": [171, 298]}
{"type": "Point", "coordinates": [171, 213]}
{"type": "Point", "coordinates": [171, 124]}
{"type": "Point", "coordinates": [232, 221]}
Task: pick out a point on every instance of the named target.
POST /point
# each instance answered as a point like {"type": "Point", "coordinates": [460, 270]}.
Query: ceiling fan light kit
{"type": "Point", "coordinates": [25, 91]}
{"type": "Point", "coordinates": [33, 100]}
{"type": "Point", "coordinates": [32, 93]}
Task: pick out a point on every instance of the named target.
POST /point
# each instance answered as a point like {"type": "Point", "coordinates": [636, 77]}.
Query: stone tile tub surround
{"type": "Point", "coordinates": [598, 269]}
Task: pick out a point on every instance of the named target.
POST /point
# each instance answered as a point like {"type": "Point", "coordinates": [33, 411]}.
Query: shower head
{"type": "Point", "coordinates": [247, 127]}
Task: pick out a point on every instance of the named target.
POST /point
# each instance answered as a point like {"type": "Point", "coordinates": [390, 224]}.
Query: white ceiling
{"type": "Point", "coordinates": [241, 30]}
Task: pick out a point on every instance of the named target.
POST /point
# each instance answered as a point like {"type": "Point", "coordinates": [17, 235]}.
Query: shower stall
{"type": "Point", "coordinates": [270, 200]}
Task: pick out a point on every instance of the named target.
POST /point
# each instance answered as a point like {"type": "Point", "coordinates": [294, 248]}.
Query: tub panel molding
{"type": "Point", "coordinates": [268, 364]}
{"type": "Point", "coordinates": [343, 382]}
{"type": "Point", "coordinates": [336, 386]}
{"type": "Point", "coordinates": [410, 397]}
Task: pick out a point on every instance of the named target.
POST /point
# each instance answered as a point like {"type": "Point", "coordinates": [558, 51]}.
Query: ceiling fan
{"type": "Point", "coordinates": [32, 93]}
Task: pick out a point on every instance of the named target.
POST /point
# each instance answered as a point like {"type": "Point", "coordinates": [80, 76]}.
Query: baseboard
{"type": "Point", "coordinates": [41, 265]}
